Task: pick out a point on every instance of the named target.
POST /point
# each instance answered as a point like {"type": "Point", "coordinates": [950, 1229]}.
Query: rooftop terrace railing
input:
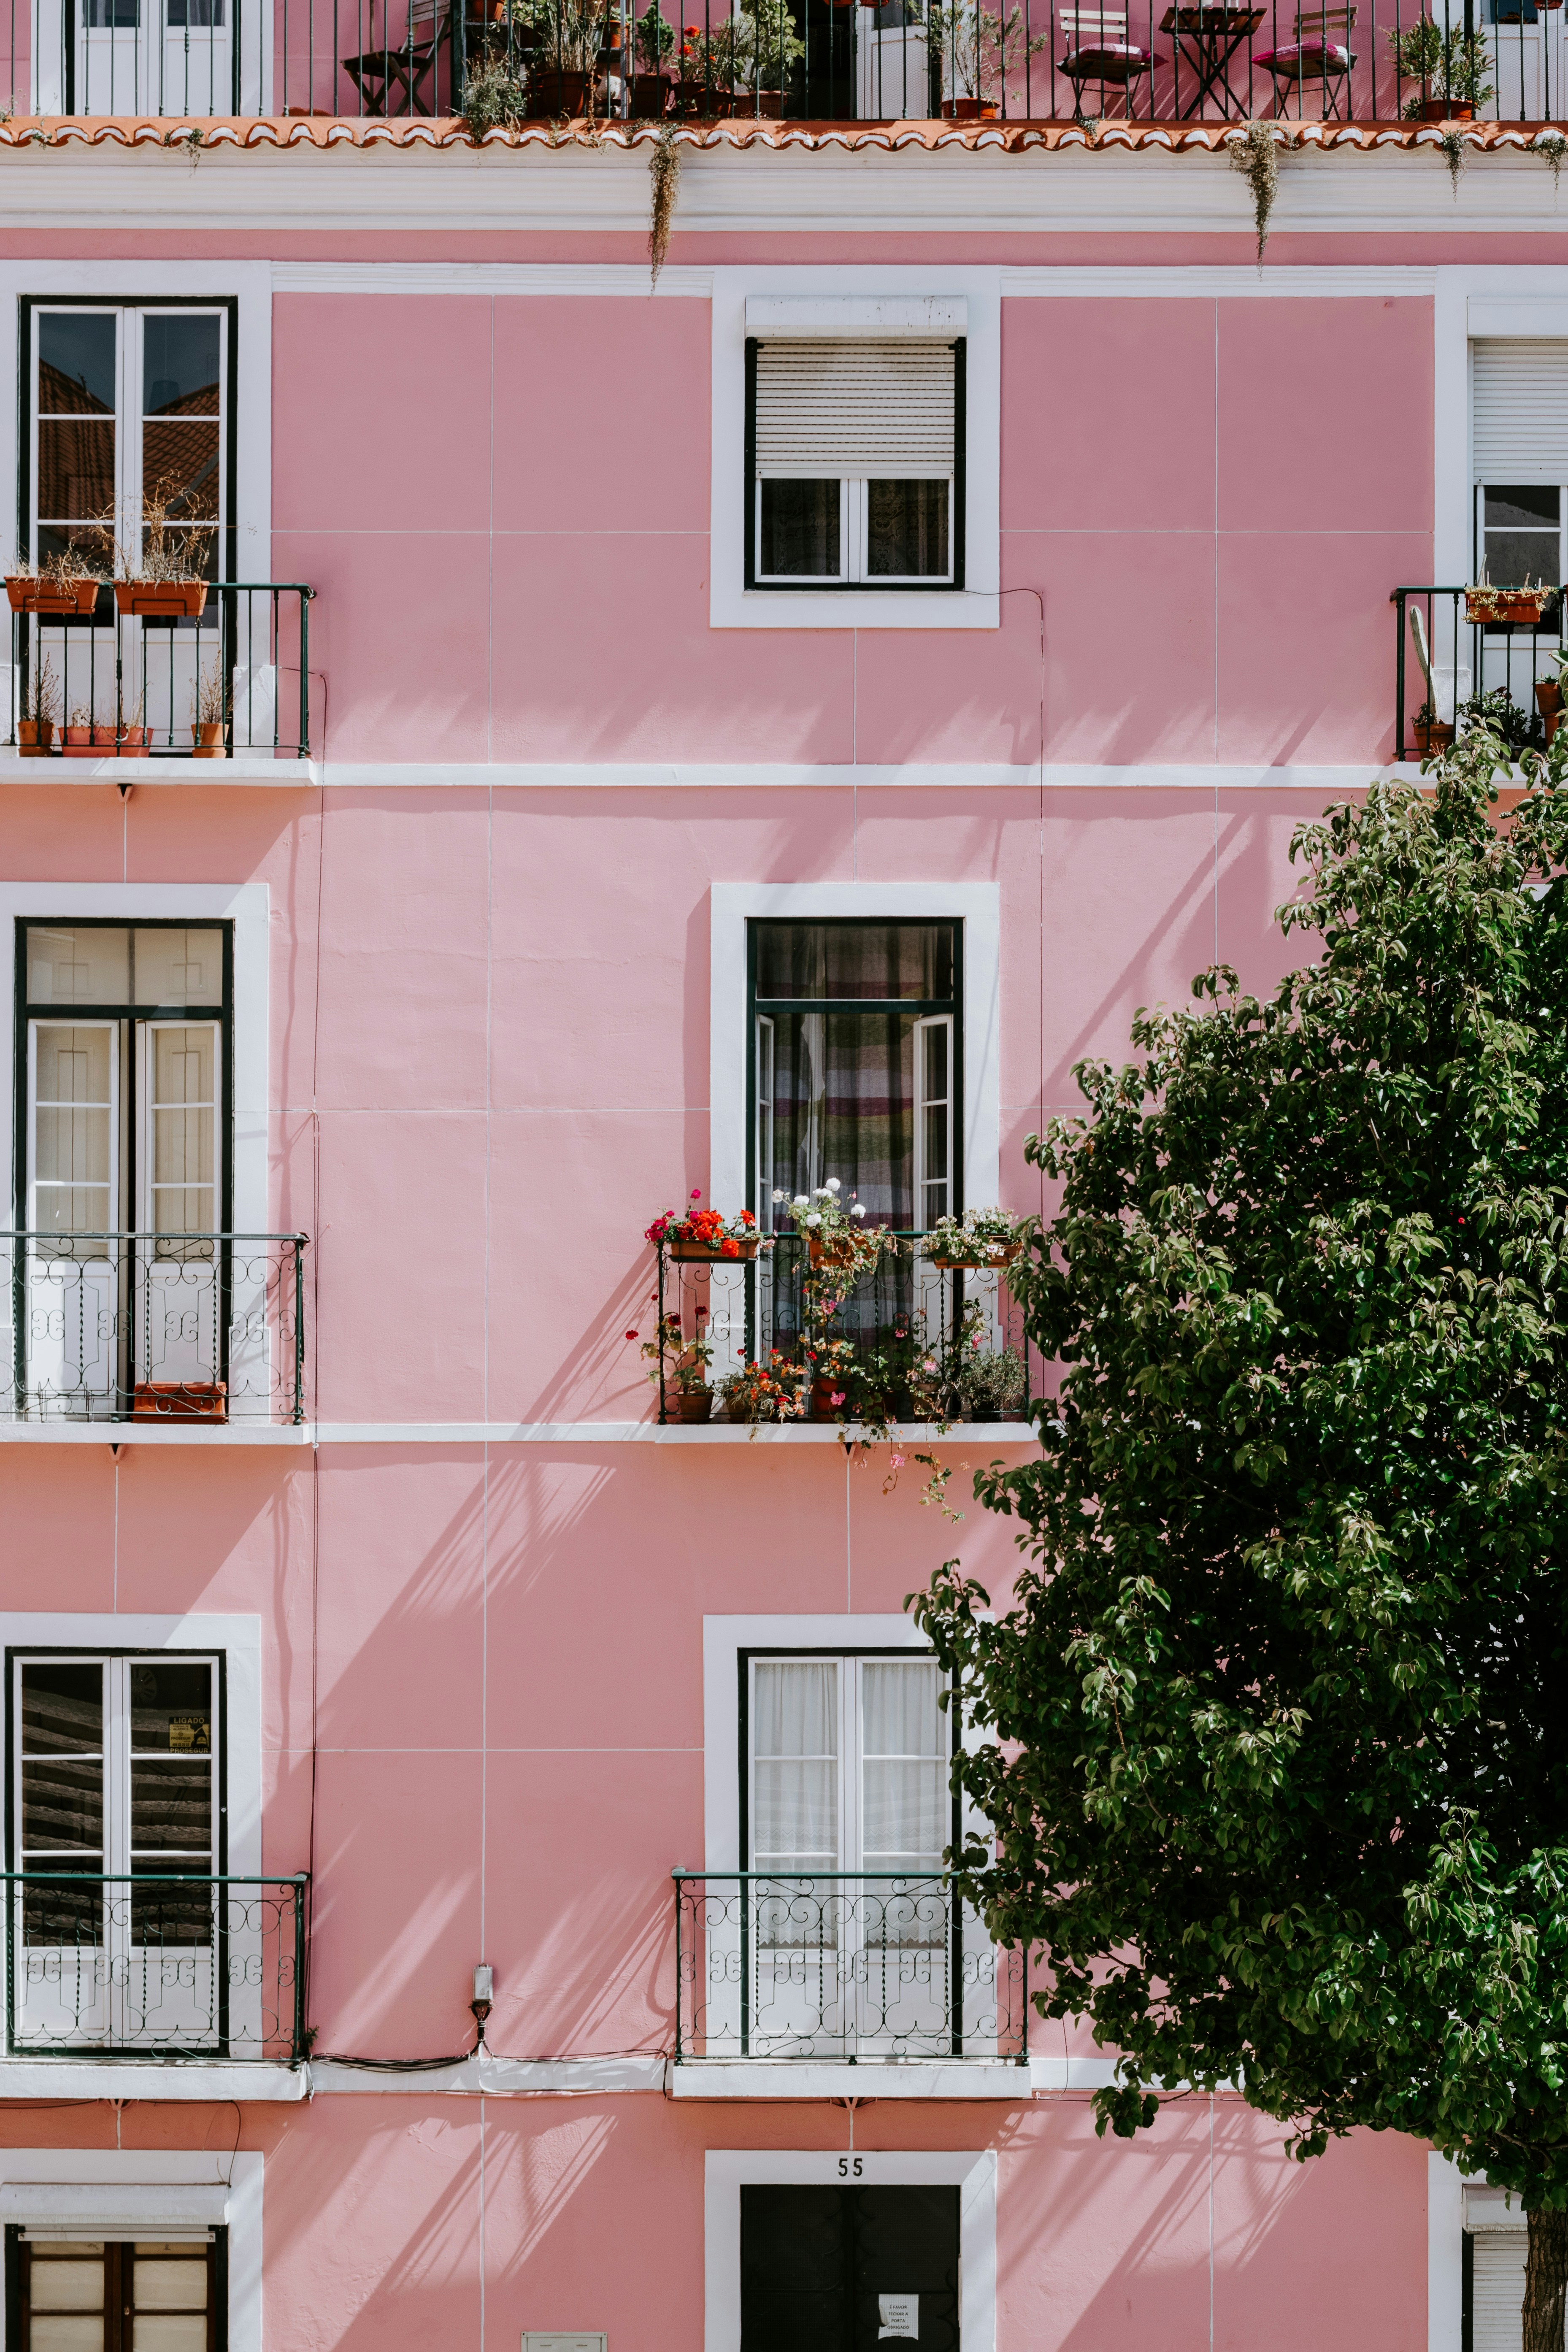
{"type": "Point", "coordinates": [151, 1327]}
{"type": "Point", "coordinates": [159, 1963]}
{"type": "Point", "coordinates": [856, 1966]}
{"type": "Point", "coordinates": [1153, 60]}
{"type": "Point", "coordinates": [231, 680]}
{"type": "Point", "coordinates": [1454, 665]}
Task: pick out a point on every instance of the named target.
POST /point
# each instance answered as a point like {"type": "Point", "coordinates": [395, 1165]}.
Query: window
{"type": "Point", "coordinates": [855, 1051]}
{"type": "Point", "coordinates": [124, 1118]}
{"type": "Point", "coordinates": [116, 1772]}
{"type": "Point", "coordinates": [847, 1761]}
{"type": "Point", "coordinates": [847, 2268]}
{"type": "Point", "coordinates": [129, 406]}
{"type": "Point", "coordinates": [87, 2294]}
{"type": "Point", "coordinates": [854, 468]}
{"type": "Point", "coordinates": [1520, 442]}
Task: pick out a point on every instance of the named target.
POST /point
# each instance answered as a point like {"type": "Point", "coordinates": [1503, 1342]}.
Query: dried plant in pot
{"type": "Point", "coordinates": [36, 728]}
{"type": "Point", "coordinates": [159, 565]}
{"type": "Point", "coordinates": [211, 707]}
{"type": "Point", "coordinates": [65, 588]}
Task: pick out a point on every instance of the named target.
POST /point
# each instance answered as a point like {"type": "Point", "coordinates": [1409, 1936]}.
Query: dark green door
{"type": "Point", "coordinates": [829, 2269]}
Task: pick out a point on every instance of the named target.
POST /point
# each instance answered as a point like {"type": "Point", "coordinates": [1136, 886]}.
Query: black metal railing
{"type": "Point", "coordinates": [153, 1327]}
{"type": "Point", "coordinates": [1455, 665]}
{"type": "Point", "coordinates": [232, 679]}
{"type": "Point", "coordinates": [155, 1964]}
{"type": "Point", "coordinates": [855, 1965]}
{"type": "Point", "coordinates": [776, 1336]}
{"type": "Point", "coordinates": [1153, 60]}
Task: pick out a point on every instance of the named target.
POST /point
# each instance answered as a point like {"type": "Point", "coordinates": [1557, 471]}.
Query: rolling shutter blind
{"type": "Point", "coordinates": [878, 409]}
{"type": "Point", "coordinates": [1519, 389]}
{"type": "Point", "coordinates": [1497, 2289]}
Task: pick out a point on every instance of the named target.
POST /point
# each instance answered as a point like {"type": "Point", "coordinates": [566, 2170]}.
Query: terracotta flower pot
{"type": "Point", "coordinates": [698, 101]}
{"type": "Point", "coordinates": [971, 110]}
{"type": "Point", "coordinates": [822, 1253]}
{"type": "Point", "coordinates": [34, 737]}
{"type": "Point", "coordinates": [1005, 1255]}
{"type": "Point", "coordinates": [485, 12]}
{"type": "Point", "coordinates": [650, 97]}
{"type": "Point", "coordinates": [1522, 606]}
{"type": "Point", "coordinates": [823, 1392]}
{"type": "Point", "coordinates": [180, 1400]}
{"type": "Point", "coordinates": [710, 1253]}
{"type": "Point", "coordinates": [1434, 737]}
{"type": "Point", "coordinates": [761, 105]}
{"type": "Point", "coordinates": [207, 737]}
{"type": "Point", "coordinates": [161, 599]}
{"type": "Point", "coordinates": [1548, 697]}
{"type": "Point", "coordinates": [52, 598]}
{"type": "Point", "coordinates": [1445, 109]}
{"type": "Point", "coordinates": [554, 92]}
{"type": "Point", "coordinates": [688, 1404]}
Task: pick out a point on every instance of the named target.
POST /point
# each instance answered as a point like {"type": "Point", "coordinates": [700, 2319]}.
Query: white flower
{"type": "Point", "coordinates": [832, 1185]}
{"type": "Point", "coordinates": [814, 1219]}
{"type": "Point", "coordinates": [820, 1193]}
{"type": "Point", "coordinates": [799, 1201]}
{"type": "Point", "coordinates": [859, 1209]}
{"type": "Point", "coordinates": [780, 1196]}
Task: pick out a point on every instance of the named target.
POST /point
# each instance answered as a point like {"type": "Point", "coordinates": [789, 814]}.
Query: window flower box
{"type": "Point", "coordinates": [981, 1240]}
{"type": "Point", "coordinates": [51, 598]}
{"type": "Point", "coordinates": [180, 1400]}
{"type": "Point", "coordinates": [705, 1236]}
{"type": "Point", "coordinates": [1522, 606]}
{"type": "Point", "coordinates": [161, 599]}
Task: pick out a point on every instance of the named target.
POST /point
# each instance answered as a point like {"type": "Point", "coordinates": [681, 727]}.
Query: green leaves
{"type": "Point", "coordinates": [1276, 1767]}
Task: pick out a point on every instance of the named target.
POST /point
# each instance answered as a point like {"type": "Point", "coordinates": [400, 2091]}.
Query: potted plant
{"type": "Point", "coordinates": [1522, 605]}
{"type": "Point", "coordinates": [981, 1237]}
{"type": "Point", "coordinates": [1430, 732]}
{"type": "Point", "coordinates": [764, 48]}
{"type": "Point", "coordinates": [210, 706]}
{"type": "Point", "coordinates": [65, 587]}
{"type": "Point", "coordinates": [36, 732]}
{"type": "Point", "coordinates": [833, 1230]}
{"type": "Point", "coordinates": [567, 36]}
{"type": "Point", "coordinates": [1451, 66]}
{"type": "Point", "coordinates": [702, 1234]}
{"type": "Point", "coordinates": [653, 38]}
{"type": "Point", "coordinates": [681, 1370]}
{"type": "Point", "coordinates": [759, 1392]}
{"type": "Point", "coordinates": [1549, 693]}
{"type": "Point", "coordinates": [980, 51]}
{"type": "Point", "coordinates": [993, 1383]}
{"type": "Point", "coordinates": [703, 88]}
{"type": "Point", "coordinates": [158, 568]}
{"type": "Point", "coordinates": [495, 96]}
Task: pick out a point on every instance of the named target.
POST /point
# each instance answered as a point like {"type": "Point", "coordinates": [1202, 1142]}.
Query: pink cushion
{"type": "Point", "coordinates": [1307, 57]}
{"type": "Point", "coordinates": [1110, 59]}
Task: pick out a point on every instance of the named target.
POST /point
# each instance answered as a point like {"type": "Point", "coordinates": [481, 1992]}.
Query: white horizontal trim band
{"type": "Point", "coordinates": [130, 2078]}
{"type": "Point", "coordinates": [500, 1433]}
{"type": "Point", "coordinates": [555, 277]}
{"type": "Point", "coordinates": [810, 2078]}
{"type": "Point", "coordinates": [497, 2077]}
{"type": "Point", "coordinates": [863, 314]}
{"type": "Point", "coordinates": [608, 775]}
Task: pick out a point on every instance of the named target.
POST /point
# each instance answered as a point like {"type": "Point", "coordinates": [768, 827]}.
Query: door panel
{"type": "Point", "coordinates": [816, 2263]}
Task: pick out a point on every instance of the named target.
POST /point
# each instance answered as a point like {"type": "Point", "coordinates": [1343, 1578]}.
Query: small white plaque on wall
{"type": "Point", "coordinates": [551, 2340]}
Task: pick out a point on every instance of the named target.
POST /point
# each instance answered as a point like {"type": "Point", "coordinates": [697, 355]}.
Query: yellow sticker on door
{"type": "Point", "coordinates": [191, 1731]}
{"type": "Point", "coordinates": [899, 2316]}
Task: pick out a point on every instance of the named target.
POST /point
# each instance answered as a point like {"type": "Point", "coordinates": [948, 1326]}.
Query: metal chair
{"type": "Point", "coordinates": [1319, 51]}
{"type": "Point", "coordinates": [406, 65]}
{"type": "Point", "coordinates": [1098, 49]}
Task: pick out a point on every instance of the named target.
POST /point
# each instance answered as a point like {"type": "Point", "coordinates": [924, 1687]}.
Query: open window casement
{"type": "Point", "coordinates": [1518, 442]}
{"type": "Point", "coordinates": [856, 461]}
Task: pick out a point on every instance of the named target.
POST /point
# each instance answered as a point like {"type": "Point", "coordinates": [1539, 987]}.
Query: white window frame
{"type": "Point", "coordinates": [860, 301]}
{"type": "Point", "coordinates": [246, 906]}
{"type": "Point", "coordinates": [145, 285]}
{"type": "Point", "coordinates": [140, 2188]}
{"type": "Point", "coordinates": [850, 1757]}
{"type": "Point", "coordinates": [977, 905]}
{"type": "Point", "coordinates": [972, 2171]}
{"type": "Point", "coordinates": [119, 1856]}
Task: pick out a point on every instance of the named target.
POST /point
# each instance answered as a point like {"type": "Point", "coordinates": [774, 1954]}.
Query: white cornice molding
{"type": "Point", "coordinates": [729, 191]}
{"type": "Point", "coordinates": [551, 278]}
{"type": "Point", "coordinates": [761, 775]}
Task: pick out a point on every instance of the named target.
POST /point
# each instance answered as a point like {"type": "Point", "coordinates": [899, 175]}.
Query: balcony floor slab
{"type": "Point", "coordinates": [91, 2078]}
{"type": "Point", "coordinates": [809, 2078]}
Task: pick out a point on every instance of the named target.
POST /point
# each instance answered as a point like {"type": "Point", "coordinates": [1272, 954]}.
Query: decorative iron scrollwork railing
{"type": "Point", "coordinates": [840, 1965]}
{"type": "Point", "coordinates": [156, 1964]}
{"type": "Point", "coordinates": [153, 1327]}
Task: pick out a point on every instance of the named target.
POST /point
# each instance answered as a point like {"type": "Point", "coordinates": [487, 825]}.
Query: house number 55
{"type": "Point", "coordinates": [849, 2168]}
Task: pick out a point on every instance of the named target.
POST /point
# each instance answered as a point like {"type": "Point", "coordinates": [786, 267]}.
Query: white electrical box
{"type": "Point", "coordinates": [551, 2340]}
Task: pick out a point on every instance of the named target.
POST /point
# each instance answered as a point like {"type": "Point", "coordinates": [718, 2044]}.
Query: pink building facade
{"type": "Point", "coordinates": [703, 740]}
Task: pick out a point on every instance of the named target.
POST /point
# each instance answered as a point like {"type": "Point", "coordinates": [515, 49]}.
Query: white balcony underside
{"type": "Point", "coordinates": [978, 1434]}
{"type": "Point", "coordinates": [145, 2078]}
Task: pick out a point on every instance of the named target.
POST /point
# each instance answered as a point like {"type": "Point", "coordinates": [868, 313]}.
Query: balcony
{"type": "Point", "coordinates": [155, 1966]}
{"type": "Point", "coordinates": [1453, 664]}
{"type": "Point", "coordinates": [844, 1968]}
{"type": "Point", "coordinates": [229, 681]}
{"type": "Point", "coordinates": [1164, 63]}
{"type": "Point", "coordinates": [762, 1339]}
{"type": "Point", "coordinates": [166, 1330]}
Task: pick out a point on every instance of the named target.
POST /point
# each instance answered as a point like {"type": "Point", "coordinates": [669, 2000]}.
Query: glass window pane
{"type": "Point", "coordinates": [180, 463]}
{"type": "Point", "coordinates": [76, 363]}
{"type": "Point", "coordinates": [799, 537]}
{"type": "Point", "coordinates": [67, 2332]}
{"type": "Point", "coordinates": [171, 1807]}
{"type": "Point", "coordinates": [796, 1816]}
{"type": "Point", "coordinates": [76, 469]}
{"type": "Point", "coordinates": [900, 1708]}
{"type": "Point", "coordinates": [87, 966]}
{"type": "Point", "coordinates": [73, 2284]}
{"type": "Point", "coordinates": [1523, 507]}
{"type": "Point", "coordinates": [873, 959]}
{"type": "Point", "coordinates": [171, 1708]}
{"type": "Point", "coordinates": [906, 535]}
{"type": "Point", "coordinates": [907, 1813]}
{"type": "Point", "coordinates": [179, 967]}
{"type": "Point", "coordinates": [170, 2285]}
{"type": "Point", "coordinates": [180, 349]}
{"type": "Point", "coordinates": [844, 1107]}
{"type": "Point", "coordinates": [795, 1708]}
{"type": "Point", "coordinates": [73, 1065]}
{"type": "Point", "coordinates": [73, 1147]}
{"type": "Point", "coordinates": [62, 1710]}
{"type": "Point", "coordinates": [62, 1805]}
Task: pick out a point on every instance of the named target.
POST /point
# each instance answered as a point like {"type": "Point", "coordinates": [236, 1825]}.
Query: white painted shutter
{"type": "Point", "coordinates": [1520, 392]}
{"type": "Point", "coordinates": [880, 409]}
{"type": "Point", "coordinates": [1497, 2290]}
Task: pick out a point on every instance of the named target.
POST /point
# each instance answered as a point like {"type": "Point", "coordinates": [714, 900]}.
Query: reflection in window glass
{"type": "Point", "coordinates": [906, 531]}
{"type": "Point", "coordinates": [1521, 533]}
{"type": "Point", "coordinates": [800, 533]}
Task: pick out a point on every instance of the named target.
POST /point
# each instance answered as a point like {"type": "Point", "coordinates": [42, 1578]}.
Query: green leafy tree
{"type": "Point", "coordinates": [1275, 1730]}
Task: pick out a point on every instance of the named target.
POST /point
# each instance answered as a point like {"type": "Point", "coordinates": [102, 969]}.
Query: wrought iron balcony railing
{"type": "Point", "coordinates": [159, 1964]}
{"type": "Point", "coordinates": [1451, 668]}
{"type": "Point", "coordinates": [840, 1965]}
{"type": "Point", "coordinates": [910, 1340]}
{"type": "Point", "coordinates": [153, 1327]}
{"type": "Point", "coordinates": [232, 679]}
{"type": "Point", "coordinates": [1151, 60]}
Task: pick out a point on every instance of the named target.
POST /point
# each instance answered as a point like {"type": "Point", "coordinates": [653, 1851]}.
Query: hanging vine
{"type": "Point", "coordinates": [663, 174]}
{"type": "Point", "coordinates": [1552, 147]}
{"type": "Point", "coordinates": [1254, 154]}
{"type": "Point", "coordinates": [1451, 144]}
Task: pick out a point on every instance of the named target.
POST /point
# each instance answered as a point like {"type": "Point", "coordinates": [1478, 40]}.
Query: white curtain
{"type": "Point", "coordinates": [906, 1805]}
{"type": "Point", "coordinates": [794, 1770]}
